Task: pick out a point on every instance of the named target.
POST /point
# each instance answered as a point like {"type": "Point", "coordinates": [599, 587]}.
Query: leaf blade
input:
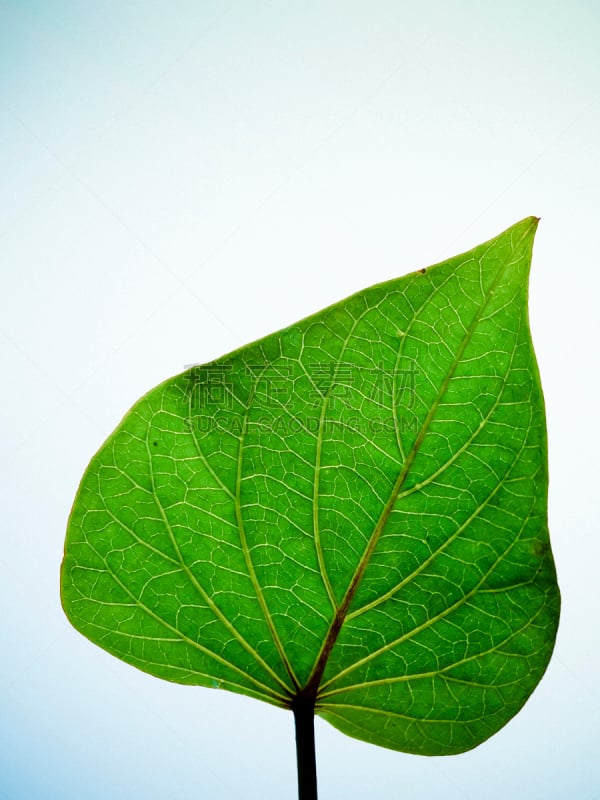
{"type": "Point", "coordinates": [352, 507]}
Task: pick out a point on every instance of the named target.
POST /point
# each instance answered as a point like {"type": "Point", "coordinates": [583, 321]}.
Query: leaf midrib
{"type": "Point", "coordinates": [314, 680]}
{"type": "Point", "coordinates": [418, 486]}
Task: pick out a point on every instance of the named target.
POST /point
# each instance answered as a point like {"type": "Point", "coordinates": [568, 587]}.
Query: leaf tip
{"type": "Point", "coordinates": [530, 223]}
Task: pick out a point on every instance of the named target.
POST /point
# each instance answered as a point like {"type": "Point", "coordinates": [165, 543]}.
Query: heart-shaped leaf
{"type": "Point", "coordinates": [351, 510]}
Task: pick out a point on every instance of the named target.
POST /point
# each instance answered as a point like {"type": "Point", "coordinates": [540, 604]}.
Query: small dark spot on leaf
{"type": "Point", "coordinates": [423, 271]}
{"type": "Point", "coordinates": [541, 548]}
{"type": "Point", "coordinates": [155, 444]}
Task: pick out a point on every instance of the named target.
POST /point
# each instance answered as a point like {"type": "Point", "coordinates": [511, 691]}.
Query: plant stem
{"type": "Point", "coordinates": [304, 719]}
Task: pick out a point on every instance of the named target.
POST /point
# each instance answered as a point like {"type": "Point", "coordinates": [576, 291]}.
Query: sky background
{"type": "Point", "coordinates": [180, 178]}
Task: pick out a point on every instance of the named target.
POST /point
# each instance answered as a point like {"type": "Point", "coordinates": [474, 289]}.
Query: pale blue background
{"type": "Point", "coordinates": [178, 178]}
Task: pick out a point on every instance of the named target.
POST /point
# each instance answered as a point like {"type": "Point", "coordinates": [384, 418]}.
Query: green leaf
{"type": "Point", "coordinates": [351, 510]}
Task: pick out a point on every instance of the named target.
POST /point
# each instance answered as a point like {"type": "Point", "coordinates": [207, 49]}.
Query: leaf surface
{"type": "Point", "coordinates": [352, 508]}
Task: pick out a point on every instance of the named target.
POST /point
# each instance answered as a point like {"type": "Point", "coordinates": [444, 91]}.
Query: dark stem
{"type": "Point", "coordinates": [304, 718]}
